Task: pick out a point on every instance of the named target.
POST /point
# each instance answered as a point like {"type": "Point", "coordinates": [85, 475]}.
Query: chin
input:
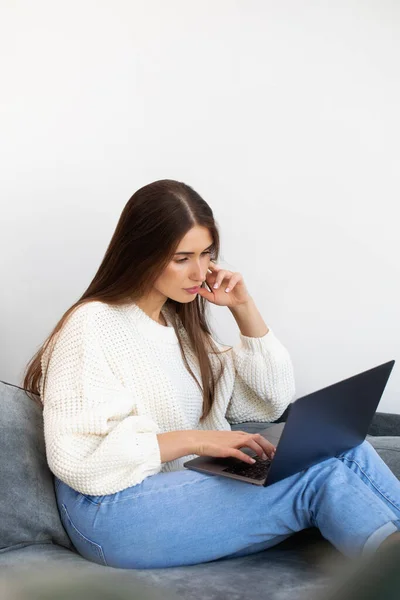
{"type": "Point", "coordinates": [189, 297]}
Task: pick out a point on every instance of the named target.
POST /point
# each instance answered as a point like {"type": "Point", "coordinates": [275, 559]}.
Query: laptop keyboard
{"type": "Point", "coordinates": [257, 471]}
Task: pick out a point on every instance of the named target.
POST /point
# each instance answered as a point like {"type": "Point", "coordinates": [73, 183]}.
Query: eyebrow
{"type": "Point", "coordinates": [176, 253]}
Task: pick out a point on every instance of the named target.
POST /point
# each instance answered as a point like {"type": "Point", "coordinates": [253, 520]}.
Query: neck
{"type": "Point", "coordinates": [153, 308]}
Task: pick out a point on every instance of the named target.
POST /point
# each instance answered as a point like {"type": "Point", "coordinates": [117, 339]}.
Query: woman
{"type": "Point", "coordinates": [133, 385]}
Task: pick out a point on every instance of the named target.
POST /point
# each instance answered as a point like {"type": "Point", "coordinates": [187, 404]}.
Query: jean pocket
{"type": "Point", "coordinates": [85, 546]}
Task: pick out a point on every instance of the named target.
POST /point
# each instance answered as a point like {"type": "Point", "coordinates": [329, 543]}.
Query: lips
{"type": "Point", "coordinates": [194, 289]}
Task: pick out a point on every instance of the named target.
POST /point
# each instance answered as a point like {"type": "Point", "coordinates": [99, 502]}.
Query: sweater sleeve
{"type": "Point", "coordinates": [264, 382]}
{"type": "Point", "coordinates": [96, 441]}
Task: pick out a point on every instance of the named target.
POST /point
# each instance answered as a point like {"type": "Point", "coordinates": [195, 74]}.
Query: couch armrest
{"type": "Point", "coordinates": [383, 424]}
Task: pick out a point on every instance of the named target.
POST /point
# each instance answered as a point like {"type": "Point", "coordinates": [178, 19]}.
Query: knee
{"type": "Point", "coordinates": [323, 479]}
{"type": "Point", "coordinates": [329, 469]}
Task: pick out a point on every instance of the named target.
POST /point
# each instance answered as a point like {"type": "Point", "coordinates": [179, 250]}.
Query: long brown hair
{"type": "Point", "coordinates": [148, 232]}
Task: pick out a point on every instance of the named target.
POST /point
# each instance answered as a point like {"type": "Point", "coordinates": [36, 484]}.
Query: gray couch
{"type": "Point", "coordinates": [33, 540]}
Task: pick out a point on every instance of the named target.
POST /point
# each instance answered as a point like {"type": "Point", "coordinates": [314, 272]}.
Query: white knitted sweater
{"type": "Point", "coordinates": [116, 378]}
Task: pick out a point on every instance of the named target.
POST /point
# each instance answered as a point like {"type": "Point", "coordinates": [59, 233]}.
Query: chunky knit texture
{"type": "Point", "coordinates": [116, 378]}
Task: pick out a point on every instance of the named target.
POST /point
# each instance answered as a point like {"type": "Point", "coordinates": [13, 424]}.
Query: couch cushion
{"type": "Point", "coordinates": [287, 571]}
{"type": "Point", "coordinates": [67, 576]}
{"type": "Point", "coordinates": [28, 508]}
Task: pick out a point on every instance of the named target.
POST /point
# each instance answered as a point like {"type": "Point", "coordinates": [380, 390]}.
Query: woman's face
{"type": "Point", "coordinates": [187, 270]}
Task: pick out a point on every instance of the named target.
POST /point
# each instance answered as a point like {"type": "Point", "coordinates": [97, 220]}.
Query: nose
{"type": "Point", "coordinates": [197, 275]}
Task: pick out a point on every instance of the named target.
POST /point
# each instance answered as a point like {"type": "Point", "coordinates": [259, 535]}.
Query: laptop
{"type": "Point", "coordinates": [319, 426]}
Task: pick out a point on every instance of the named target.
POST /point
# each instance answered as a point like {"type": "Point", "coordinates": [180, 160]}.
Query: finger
{"type": "Point", "coordinates": [211, 279]}
{"type": "Point", "coordinates": [254, 445]}
{"type": "Point", "coordinates": [206, 294]}
{"type": "Point", "coordinates": [241, 456]}
{"type": "Point", "coordinates": [213, 267]}
{"type": "Point", "coordinates": [208, 288]}
{"type": "Point", "coordinates": [262, 445]}
{"type": "Point", "coordinates": [265, 445]}
{"type": "Point", "coordinates": [220, 277]}
{"type": "Point", "coordinates": [269, 448]}
{"type": "Point", "coordinates": [232, 281]}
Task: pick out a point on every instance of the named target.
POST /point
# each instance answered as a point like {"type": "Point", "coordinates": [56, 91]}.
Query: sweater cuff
{"type": "Point", "coordinates": [153, 455]}
{"type": "Point", "coordinates": [267, 342]}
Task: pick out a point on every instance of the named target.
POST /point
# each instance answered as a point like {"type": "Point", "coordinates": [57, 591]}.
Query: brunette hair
{"type": "Point", "coordinates": [146, 237]}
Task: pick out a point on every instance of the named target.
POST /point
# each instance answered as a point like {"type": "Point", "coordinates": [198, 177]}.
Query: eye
{"type": "Point", "coordinates": [185, 259]}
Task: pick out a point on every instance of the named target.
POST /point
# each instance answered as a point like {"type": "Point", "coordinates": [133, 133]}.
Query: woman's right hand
{"type": "Point", "coordinates": [227, 443]}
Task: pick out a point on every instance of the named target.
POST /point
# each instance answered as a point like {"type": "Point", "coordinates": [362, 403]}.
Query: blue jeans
{"type": "Point", "coordinates": [185, 517]}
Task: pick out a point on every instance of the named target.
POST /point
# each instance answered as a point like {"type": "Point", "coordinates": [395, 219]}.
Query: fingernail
{"type": "Point", "coordinates": [253, 460]}
{"type": "Point", "coordinates": [227, 289]}
{"type": "Point", "coordinates": [215, 285]}
{"type": "Point", "coordinates": [264, 456]}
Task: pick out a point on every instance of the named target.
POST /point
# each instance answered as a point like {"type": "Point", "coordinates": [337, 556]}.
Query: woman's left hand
{"type": "Point", "coordinates": [237, 293]}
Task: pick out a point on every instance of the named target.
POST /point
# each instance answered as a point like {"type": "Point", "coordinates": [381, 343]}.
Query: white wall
{"type": "Point", "coordinates": [283, 115]}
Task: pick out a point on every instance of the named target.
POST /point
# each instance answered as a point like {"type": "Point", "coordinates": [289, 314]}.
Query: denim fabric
{"type": "Point", "coordinates": [185, 517]}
